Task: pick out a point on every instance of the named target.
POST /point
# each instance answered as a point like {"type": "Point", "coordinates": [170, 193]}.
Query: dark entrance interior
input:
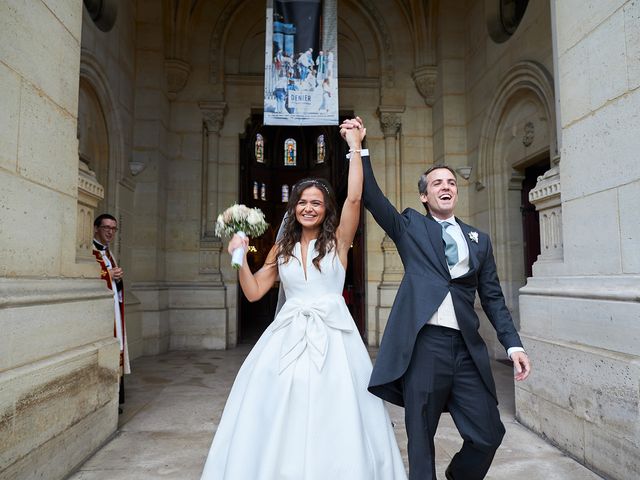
{"type": "Point", "coordinates": [530, 217]}
{"type": "Point", "coordinates": [272, 160]}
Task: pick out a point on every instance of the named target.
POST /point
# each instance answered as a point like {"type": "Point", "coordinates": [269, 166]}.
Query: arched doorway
{"type": "Point", "coordinates": [517, 141]}
{"type": "Point", "coordinates": [93, 140]}
{"type": "Point", "coordinates": [272, 160]}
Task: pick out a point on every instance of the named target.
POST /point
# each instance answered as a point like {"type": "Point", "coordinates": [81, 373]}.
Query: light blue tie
{"type": "Point", "coordinates": [450, 245]}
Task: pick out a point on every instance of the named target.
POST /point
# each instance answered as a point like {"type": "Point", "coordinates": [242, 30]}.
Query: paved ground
{"type": "Point", "coordinates": [174, 402]}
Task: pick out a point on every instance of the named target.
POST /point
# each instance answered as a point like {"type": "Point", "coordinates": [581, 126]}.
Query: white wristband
{"type": "Point", "coordinates": [363, 152]}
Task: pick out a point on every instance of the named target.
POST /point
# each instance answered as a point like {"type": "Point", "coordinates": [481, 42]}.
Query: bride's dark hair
{"type": "Point", "coordinates": [292, 230]}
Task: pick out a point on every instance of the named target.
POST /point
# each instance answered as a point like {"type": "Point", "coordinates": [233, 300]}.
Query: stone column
{"type": "Point", "coordinates": [213, 113]}
{"type": "Point", "coordinates": [390, 123]}
{"type": "Point", "coordinates": [579, 312]}
{"type": "Point", "coordinates": [58, 355]}
{"type": "Point", "coordinates": [210, 245]}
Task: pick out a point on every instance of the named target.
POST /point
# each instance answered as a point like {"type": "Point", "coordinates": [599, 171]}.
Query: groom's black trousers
{"type": "Point", "coordinates": [442, 376]}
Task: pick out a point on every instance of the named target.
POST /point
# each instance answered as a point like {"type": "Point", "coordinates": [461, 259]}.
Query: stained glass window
{"type": "Point", "coordinates": [263, 192]}
{"type": "Point", "coordinates": [290, 153]}
{"type": "Point", "coordinates": [259, 148]}
{"type": "Point", "coordinates": [320, 149]}
{"type": "Point", "coordinates": [256, 194]}
{"type": "Point", "coordinates": [285, 193]}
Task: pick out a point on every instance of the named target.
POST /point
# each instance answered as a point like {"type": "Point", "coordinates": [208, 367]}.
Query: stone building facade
{"type": "Point", "coordinates": [139, 108]}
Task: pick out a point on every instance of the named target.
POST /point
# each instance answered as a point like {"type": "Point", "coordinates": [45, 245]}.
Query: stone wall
{"type": "Point", "coordinates": [58, 356]}
{"type": "Point", "coordinates": [580, 320]}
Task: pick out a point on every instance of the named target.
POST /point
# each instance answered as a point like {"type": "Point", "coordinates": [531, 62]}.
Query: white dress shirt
{"type": "Point", "coordinates": [445, 316]}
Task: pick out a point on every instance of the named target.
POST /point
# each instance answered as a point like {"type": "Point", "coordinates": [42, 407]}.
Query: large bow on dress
{"type": "Point", "coordinates": [307, 323]}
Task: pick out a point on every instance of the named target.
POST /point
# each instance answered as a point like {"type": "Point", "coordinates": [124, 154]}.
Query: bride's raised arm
{"type": "Point", "coordinates": [353, 132]}
{"type": "Point", "coordinates": [255, 285]}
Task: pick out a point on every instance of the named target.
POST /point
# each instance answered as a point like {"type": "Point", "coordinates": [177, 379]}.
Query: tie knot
{"type": "Point", "coordinates": [445, 224]}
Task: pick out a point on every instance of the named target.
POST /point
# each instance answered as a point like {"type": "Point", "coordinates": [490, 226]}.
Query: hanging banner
{"type": "Point", "coordinates": [300, 68]}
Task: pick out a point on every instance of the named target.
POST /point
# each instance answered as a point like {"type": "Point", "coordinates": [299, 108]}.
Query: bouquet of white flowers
{"type": "Point", "coordinates": [244, 221]}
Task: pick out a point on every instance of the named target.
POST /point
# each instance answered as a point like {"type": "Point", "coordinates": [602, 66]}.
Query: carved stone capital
{"type": "Point", "coordinates": [547, 191]}
{"type": "Point", "coordinates": [90, 192]}
{"type": "Point", "coordinates": [136, 167]}
{"type": "Point", "coordinates": [425, 78]}
{"type": "Point", "coordinates": [88, 186]}
{"type": "Point", "coordinates": [177, 72]}
{"type": "Point", "coordinates": [546, 196]}
{"type": "Point", "coordinates": [213, 113]}
{"type": "Point", "coordinates": [390, 120]}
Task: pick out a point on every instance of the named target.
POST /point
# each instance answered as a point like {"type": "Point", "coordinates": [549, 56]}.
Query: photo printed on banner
{"type": "Point", "coordinates": [301, 77]}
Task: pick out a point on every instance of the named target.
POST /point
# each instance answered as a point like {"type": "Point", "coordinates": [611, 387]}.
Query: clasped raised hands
{"type": "Point", "coordinates": [353, 131]}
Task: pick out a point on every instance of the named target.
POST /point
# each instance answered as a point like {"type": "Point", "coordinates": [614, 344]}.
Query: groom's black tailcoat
{"type": "Point", "coordinates": [424, 286]}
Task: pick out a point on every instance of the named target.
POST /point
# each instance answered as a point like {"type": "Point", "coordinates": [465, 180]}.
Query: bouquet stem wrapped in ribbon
{"type": "Point", "coordinates": [245, 222]}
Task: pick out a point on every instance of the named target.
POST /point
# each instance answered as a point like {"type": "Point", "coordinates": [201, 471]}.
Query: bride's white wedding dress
{"type": "Point", "coordinates": [299, 408]}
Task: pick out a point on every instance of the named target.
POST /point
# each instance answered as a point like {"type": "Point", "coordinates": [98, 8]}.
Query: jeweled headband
{"type": "Point", "coordinates": [315, 183]}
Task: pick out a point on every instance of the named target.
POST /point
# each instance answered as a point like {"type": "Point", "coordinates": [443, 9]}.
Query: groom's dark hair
{"type": "Point", "coordinates": [422, 183]}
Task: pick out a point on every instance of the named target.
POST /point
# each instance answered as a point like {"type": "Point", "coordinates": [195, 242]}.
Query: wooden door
{"type": "Point", "coordinates": [267, 165]}
{"type": "Point", "coordinates": [530, 217]}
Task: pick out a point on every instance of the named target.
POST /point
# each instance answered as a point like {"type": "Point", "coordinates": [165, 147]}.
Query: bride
{"type": "Point", "coordinates": [299, 408]}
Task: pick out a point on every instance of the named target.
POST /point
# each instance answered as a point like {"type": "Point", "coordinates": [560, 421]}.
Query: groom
{"type": "Point", "coordinates": [432, 357]}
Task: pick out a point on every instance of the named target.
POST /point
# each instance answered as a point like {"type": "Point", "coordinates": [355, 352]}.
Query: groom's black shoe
{"type": "Point", "coordinates": [447, 473]}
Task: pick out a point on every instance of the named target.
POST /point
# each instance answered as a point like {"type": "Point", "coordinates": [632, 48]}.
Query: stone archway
{"type": "Point", "coordinates": [371, 19]}
{"type": "Point", "coordinates": [235, 79]}
{"type": "Point", "coordinates": [518, 133]}
{"type": "Point", "coordinates": [103, 127]}
{"type": "Point", "coordinates": [104, 165]}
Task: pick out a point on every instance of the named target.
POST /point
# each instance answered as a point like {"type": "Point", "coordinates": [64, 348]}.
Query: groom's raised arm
{"type": "Point", "coordinates": [380, 207]}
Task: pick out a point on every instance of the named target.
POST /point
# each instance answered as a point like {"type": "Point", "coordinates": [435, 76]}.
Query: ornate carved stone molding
{"type": "Point", "coordinates": [177, 72]}
{"type": "Point", "coordinates": [90, 192]}
{"type": "Point", "coordinates": [425, 78]}
{"type": "Point", "coordinates": [213, 114]}
{"type": "Point", "coordinates": [136, 167]}
{"type": "Point", "coordinates": [87, 183]}
{"type": "Point", "coordinates": [546, 196]}
{"type": "Point", "coordinates": [390, 120]}
{"type": "Point", "coordinates": [529, 134]}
